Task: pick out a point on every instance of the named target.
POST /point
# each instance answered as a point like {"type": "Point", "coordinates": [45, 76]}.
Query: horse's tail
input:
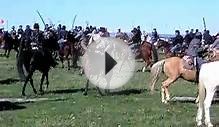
{"type": "Point", "coordinates": [155, 54]}
{"type": "Point", "coordinates": [156, 69]}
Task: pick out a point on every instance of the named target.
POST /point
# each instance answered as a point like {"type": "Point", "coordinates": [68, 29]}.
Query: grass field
{"type": "Point", "coordinates": [134, 106]}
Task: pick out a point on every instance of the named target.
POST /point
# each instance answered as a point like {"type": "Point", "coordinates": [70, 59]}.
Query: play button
{"type": "Point", "coordinates": [108, 62]}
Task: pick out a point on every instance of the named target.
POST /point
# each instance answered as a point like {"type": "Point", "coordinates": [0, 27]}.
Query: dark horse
{"type": "Point", "coordinates": [10, 42]}
{"type": "Point", "coordinates": [69, 49]}
{"type": "Point", "coordinates": [32, 60]}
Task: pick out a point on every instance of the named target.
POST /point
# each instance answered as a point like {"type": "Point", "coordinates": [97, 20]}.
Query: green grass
{"type": "Point", "coordinates": [76, 110]}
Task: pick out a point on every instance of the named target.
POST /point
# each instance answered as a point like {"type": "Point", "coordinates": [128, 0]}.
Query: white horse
{"type": "Point", "coordinates": [208, 81]}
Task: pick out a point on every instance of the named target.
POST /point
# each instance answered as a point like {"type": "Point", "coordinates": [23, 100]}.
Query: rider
{"type": "Point", "coordinates": [187, 39]}
{"type": "Point", "coordinates": [154, 36]}
{"type": "Point", "coordinates": [195, 50]}
{"type": "Point", "coordinates": [79, 33]}
{"type": "Point", "coordinates": [26, 38]}
{"type": "Point", "coordinates": [38, 39]}
{"type": "Point", "coordinates": [177, 42]}
{"type": "Point", "coordinates": [139, 34]}
{"type": "Point", "coordinates": [20, 30]}
{"type": "Point", "coordinates": [215, 45]}
{"type": "Point", "coordinates": [207, 38]}
{"type": "Point", "coordinates": [192, 34]}
{"type": "Point", "coordinates": [119, 34]}
{"type": "Point", "coordinates": [13, 32]}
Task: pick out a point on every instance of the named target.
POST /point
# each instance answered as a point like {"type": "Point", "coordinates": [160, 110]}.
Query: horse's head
{"type": "Point", "coordinates": [162, 43]}
{"type": "Point", "coordinates": [93, 37]}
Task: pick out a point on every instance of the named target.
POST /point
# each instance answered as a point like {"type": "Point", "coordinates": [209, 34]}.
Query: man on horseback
{"type": "Point", "coordinates": [195, 51]}
{"type": "Point", "coordinates": [207, 38]}
{"type": "Point", "coordinates": [38, 58]}
{"type": "Point", "coordinates": [187, 39]}
{"type": "Point", "coordinates": [154, 36]}
{"type": "Point", "coordinates": [177, 43]}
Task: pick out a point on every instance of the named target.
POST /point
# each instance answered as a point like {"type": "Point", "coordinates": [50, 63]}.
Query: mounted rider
{"type": "Point", "coordinates": [62, 37]}
{"type": "Point", "coordinates": [195, 51]}
{"type": "Point", "coordinates": [207, 38]}
{"type": "Point", "coordinates": [20, 31]}
{"type": "Point", "coordinates": [154, 36]}
{"type": "Point", "coordinates": [187, 39]}
{"type": "Point", "coordinates": [26, 39]}
{"type": "Point", "coordinates": [177, 42]}
{"type": "Point", "coordinates": [39, 45]}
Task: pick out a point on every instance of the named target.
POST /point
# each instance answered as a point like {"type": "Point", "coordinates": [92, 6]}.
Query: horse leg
{"type": "Point", "coordinates": [86, 87]}
{"type": "Point", "coordinates": [99, 91]}
{"type": "Point", "coordinates": [41, 84]}
{"type": "Point", "coordinates": [25, 83]}
{"type": "Point", "coordinates": [31, 83]}
{"type": "Point", "coordinates": [47, 80]}
{"type": "Point", "coordinates": [207, 105]}
{"type": "Point", "coordinates": [62, 61]}
{"type": "Point", "coordinates": [165, 90]}
{"type": "Point", "coordinates": [8, 53]}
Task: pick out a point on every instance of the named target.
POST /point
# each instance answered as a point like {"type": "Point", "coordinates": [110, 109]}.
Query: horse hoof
{"type": "Point", "coordinates": [23, 94]}
{"type": "Point", "coordinates": [209, 125]}
{"type": "Point", "coordinates": [35, 91]}
{"type": "Point", "coordinates": [85, 93]}
{"type": "Point", "coordinates": [41, 93]}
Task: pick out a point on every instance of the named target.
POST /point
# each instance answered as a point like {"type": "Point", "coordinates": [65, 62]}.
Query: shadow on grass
{"type": "Point", "coordinates": [111, 93]}
{"type": "Point", "coordinates": [66, 91]}
{"type": "Point", "coordinates": [128, 92]}
{"type": "Point", "coordinates": [6, 105]}
{"type": "Point", "coordinates": [8, 81]}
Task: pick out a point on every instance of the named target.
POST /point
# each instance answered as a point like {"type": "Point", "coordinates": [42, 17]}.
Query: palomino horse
{"type": "Point", "coordinates": [208, 81]}
{"type": "Point", "coordinates": [173, 68]}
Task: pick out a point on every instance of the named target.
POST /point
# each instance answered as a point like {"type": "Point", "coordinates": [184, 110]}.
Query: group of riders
{"type": "Point", "coordinates": [54, 39]}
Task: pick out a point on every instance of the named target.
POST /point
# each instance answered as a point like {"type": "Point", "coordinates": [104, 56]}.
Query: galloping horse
{"type": "Point", "coordinates": [70, 49]}
{"type": "Point", "coordinates": [208, 81]}
{"type": "Point", "coordinates": [30, 60]}
{"type": "Point", "coordinates": [148, 52]}
{"type": "Point", "coordinates": [167, 49]}
{"type": "Point", "coordinates": [173, 68]}
{"type": "Point", "coordinates": [10, 42]}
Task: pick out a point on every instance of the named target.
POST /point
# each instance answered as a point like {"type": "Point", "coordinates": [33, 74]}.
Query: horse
{"type": "Point", "coordinates": [29, 60]}
{"type": "Point", "coordinates": [167, 49]}
{"type": "Point", "coordinates": [93, 38]}
{"type": "Point", "coordinates": [69, 49]}
{"type": "Point", "coordinates": [174, 69]}
{"type": "Point", "coordinates": [37, 60]}
{"type": "Point", "coordinates": [148, 53]}
{"type": "Point", "coordinates": [208, 82]}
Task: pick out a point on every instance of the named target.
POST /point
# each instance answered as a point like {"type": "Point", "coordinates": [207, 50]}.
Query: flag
{"type": "Point", "coordinates": [2, 21]}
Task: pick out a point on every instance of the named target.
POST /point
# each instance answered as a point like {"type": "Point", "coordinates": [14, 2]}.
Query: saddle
{"type": "Point", "coordinates": [188, 63]}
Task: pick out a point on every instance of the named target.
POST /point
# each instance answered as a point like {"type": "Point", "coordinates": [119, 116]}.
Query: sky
{"type": "Point", "coordinates": [165, 15]}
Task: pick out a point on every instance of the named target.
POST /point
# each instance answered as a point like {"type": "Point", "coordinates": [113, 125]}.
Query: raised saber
{"type": "Point", "coordinates": [41, 17]}
{"type": "Point", "coordinates": [73, 22]}
{"type": "Point", "coordinates": [204, 23]}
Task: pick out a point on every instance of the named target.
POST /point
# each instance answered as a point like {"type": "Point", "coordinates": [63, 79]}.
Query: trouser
{"type": "Point", "coordinates": [176, 48]}
{"type": "Point", "coordinates": [198, 61]}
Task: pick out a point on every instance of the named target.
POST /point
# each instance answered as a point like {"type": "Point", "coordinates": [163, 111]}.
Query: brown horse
{"type": "Point", "coordinates": [148, 52]}
{"type": "Point", "coordinates": [173, 68]}
{"type": "Point", "coordinates": [167, 49]}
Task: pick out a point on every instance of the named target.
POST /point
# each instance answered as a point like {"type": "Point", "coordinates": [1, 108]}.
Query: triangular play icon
{"type": "Point", "coordinates": [109, 63]}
